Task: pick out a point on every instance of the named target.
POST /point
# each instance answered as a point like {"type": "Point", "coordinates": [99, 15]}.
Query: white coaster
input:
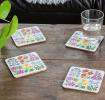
{"type": "Point", "coordinates": [26, 36]}
{"type": "Point", "coordinates": [25, 64]}
{"type": "Point", "coordinates": [83, 79]}
{"type": "Point", "coordinates": [79, 41]}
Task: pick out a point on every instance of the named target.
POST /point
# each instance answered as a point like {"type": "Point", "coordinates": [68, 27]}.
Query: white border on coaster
{"type": "Point", "coordinates": [72, 67]}
{"type": "Point", "coordinates": [29, 43]}
{"type": "Point", "coordinates": [67, 43]}
{"type": "Point", "coordinates": [18, 76]}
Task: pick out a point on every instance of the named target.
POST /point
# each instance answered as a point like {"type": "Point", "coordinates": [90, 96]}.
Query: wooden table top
{"type": "Point", "coordinates": [48, 85]}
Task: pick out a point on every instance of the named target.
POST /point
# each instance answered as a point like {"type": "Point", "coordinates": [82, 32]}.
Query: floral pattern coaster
{"type": "Point", "coordinates": [26, 36]}
{"type": "Point", "coordinates": [25, 64]}
{"type": "Point", "coordinates": [79, 41]}
{"type": "Point", "coordinates": [83, 79]}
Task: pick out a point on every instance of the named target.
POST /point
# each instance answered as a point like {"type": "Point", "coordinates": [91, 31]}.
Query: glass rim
{"type": "Point", "coordinates": [92, 18]}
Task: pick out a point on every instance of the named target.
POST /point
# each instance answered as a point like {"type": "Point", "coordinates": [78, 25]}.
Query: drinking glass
{"type": "Point", "coordinates": [92, 21]}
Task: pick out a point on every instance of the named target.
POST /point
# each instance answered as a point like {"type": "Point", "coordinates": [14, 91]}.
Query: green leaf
{"type": "Point", "coordinates": [5, 8]}
{"type": "Point", "coordinates": [8, 30]}
{"type": "Point", "coordinates": [3, 41]}
{"type": "Point", "coordinates": [13, 26]}
{"type": "Point", "coordinates": [3, 38]}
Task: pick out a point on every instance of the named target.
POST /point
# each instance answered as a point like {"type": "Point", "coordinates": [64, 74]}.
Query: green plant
{"type": "Point", "coordinates": [8, 29]}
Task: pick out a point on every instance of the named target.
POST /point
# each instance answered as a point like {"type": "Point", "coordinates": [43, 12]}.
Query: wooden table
{"type": "Point", "coordinates": [47, 85]}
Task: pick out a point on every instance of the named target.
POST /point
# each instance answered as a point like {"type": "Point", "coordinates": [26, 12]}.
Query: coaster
{"type": "Point", "coordinates": [79, 41]}
{"type": "Point", "coordinates": [26, 36]}
{"type": "Point", "coordinates": [83, 79]}
{"type": "Point", "coordinates": [25, 64]}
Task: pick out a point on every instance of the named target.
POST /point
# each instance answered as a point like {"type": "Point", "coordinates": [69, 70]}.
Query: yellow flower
{"type": "Point", "coordinates": [27, 66]}
{"type": "Point", "coordinates": [84, 82]}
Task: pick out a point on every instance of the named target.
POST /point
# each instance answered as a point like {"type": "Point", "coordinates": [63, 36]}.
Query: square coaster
{"type": "Point", "coordinates": [83, 79]}
{"type": "Point", "coordinates": [25, 64]}
{"type": "Point", "coordinates": [79, 41]}
{"type": "Point", "coordinates": [26, 36]}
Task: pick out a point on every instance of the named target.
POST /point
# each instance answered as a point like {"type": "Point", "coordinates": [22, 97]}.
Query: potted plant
{"type": "Point", "coordinates": [8, 29]}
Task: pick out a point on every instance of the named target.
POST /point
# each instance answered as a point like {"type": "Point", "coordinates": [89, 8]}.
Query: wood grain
{"type": "Point", "coordinates": [48, 85]}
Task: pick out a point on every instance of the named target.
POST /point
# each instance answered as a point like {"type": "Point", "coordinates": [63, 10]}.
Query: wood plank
{"type": "Point", "coordinates": [55, 51]}
{"type": "Point", "coordinates": [54, 47]}
{"type": "Point", "coordinates": [47, 85]}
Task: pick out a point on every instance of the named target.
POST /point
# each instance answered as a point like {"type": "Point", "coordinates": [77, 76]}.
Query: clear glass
{"type": "Point", "coordinates": [92, 21]}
